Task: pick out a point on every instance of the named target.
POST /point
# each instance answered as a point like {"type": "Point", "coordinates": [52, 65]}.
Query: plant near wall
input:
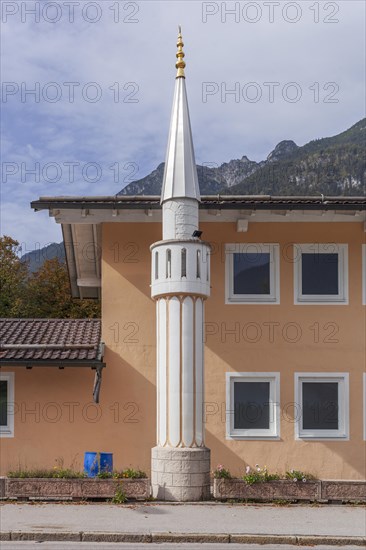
{"type": "Point", "coordinates": [55, 473]}
{"type": "Point", "coordinates": [258, 475]}
{"type": "Point", "coordinates": [104, 475]}
{"type": "Point", "coordinates": [129, 473]}
{"type": "Point", "coordinates": [221, 473]}
{"type": "Point", "coordinates": [298, 475]}
{"type": "Point", "coordinates": [120, 496]}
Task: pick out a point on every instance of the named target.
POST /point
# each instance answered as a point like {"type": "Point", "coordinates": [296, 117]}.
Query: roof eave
{"type": "Point", "coordinates": [59, 363]}
{"type": "Point", "coordinates": [259, 202]}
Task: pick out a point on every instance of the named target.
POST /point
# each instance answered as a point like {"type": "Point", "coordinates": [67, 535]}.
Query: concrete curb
{"type": "Point", "coordinates": [301, 540]}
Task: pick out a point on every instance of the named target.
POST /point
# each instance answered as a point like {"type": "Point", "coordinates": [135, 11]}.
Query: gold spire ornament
{"type": "Point", "coordinates": [180, 64]}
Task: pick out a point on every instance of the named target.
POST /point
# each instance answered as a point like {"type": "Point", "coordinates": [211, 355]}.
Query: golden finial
{"type": "Point", "coordinates": [180, 64]}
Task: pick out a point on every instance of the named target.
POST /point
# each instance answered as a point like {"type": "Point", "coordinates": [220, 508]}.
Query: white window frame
{"type": "Point", "coordinates": [328, 299]}
{"type": "Point", "coordinates": [242, 248]}
{"type": "Point", "coordinates": [343, 403]}
{"type": "Point", "coordinates": [364, 274]}
{"type": "Point", "coordinates": [8, 431]}
{"type": "Point", "coordinates": [274, 407]}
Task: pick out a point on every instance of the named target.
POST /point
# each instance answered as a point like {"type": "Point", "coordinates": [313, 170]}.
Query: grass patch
{"type": "Point", "coordinates": [129, 473]}
{"type": "Point", "coordinates": [56, 473]}
{"type": "Point", "coordinates": [259, 475]}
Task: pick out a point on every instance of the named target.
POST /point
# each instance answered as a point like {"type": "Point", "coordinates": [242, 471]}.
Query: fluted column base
{"type": "Point", "coordinates": [181, 475]}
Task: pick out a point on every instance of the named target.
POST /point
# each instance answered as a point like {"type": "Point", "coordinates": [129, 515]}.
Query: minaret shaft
{"type": "Point", "coordinates": [180, 284]}
{"type": "Point", "coordinates": [180, 372]}
{"type": "Point", "coordinates": [180, 219]}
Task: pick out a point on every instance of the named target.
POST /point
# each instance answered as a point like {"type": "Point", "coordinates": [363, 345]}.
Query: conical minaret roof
{"type": "Point", "coordinates": [180, 175]}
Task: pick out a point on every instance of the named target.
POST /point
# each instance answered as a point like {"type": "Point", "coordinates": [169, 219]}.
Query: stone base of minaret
{"type": "Point", "coordinates": [181, 475]}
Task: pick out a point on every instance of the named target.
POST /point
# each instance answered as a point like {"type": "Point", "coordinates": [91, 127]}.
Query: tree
{"type": "Point", "coordinates": [13, 279]}
{"type": "Point", "coordinates": [43, 294]}
{"type": "Point", "coordinates": [49, 295]}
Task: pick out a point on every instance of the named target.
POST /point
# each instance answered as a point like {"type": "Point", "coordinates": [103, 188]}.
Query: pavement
{"type": "Point", "coordinates": [153, 522]}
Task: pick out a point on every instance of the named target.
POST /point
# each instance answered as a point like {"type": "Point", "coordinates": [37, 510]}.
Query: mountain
{"type": "Point", "coordinates": [36, 258]}
{"type": "Point", "coordinates": [211, 179]}
{"type": "Point", "coordinates": [282, 150]}
{"type": "Point", "coordinates": [332, 166]}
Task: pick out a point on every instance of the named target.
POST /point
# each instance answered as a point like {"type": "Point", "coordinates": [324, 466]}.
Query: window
{"type": "Point", "coordinates": [252, 273]}
{"type": "Point", "coordinates": [156, 265]}
{"type": "Point", "coordinates": [6, 404]}
{"type": "Point", "coordinates": [321, 405]}
{"type": "Point", "coordinates": [321, 273]}
{"type": "Point", "coordinates": [364, 274]}
{"type": "Point", "coordinates": [184, 262]}
{"type": "Point", "coordinates": [168, 267]}
{"type": "Point", "coordinates": [252, 403]}
{"type": "Point", "coordinates": [198, 265]}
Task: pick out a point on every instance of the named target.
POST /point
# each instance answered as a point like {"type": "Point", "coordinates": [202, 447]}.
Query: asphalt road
{"type": "Point", "coordinates": [148, 546]}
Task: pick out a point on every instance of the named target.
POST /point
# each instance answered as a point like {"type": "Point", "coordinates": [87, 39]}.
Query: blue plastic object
{"type": "Point", "coordinates": [94, 463]}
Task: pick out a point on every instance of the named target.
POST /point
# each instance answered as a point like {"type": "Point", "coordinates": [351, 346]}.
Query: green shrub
{"type": "Point", "coordinates": [298, 475]}
{"type": "Point", "coordinates": [258, 475]}
{"type": "Point", "coordinates": [56, 473]}
{"type": "Point", "coordinates": [119, 497]}
{"type": "Point", "coordinates": [129, 473]}
{"type": "Point", "coordinates": [221, 473]}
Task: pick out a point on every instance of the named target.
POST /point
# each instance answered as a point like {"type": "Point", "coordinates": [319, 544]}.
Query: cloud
{"type": "Point", "coordinates": [130, 65]}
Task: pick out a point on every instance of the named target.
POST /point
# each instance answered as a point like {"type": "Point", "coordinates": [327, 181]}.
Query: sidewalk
{"type": "Point", "coordinates": [153, 522]}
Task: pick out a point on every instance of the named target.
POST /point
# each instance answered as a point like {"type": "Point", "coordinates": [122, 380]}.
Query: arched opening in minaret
{"type": "Point", "coordinates": [168, 272]}
{"type": "Point", "coordinates": [184, 262]}
{"type": "Point", "coordinates": [156, 265]}
{"type": "Point", "coordinates": [198, 268]}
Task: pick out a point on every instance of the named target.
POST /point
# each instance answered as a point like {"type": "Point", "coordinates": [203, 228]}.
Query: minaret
{"type": "Point", "coordinates": [180, 283]}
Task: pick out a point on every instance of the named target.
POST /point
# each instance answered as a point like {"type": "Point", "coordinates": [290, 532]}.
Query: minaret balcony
{"type": "Point", "coordinates": [180, 267]}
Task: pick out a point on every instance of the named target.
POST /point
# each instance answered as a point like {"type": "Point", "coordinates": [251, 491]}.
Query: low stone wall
{"type": "Point", "coordinates": [273, 490]}
{"type": "Point", "coordinates": [224, 489]}
{"type": "Point", "coordinates": [344, 491]}
{"type": "Point", "coordinates": [354, 491]}
{"type": "Point", "coordinates": [2, 487]}
{"type": "Point", "coordinates": [23, 488]}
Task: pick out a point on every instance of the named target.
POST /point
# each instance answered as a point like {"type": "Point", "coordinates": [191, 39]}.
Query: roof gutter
{"type": "Point", "coordinates": [49, 346]}
{"type": "Point", "coordinates": [58, 363]}
{"type": "Point", "coordinates": [260, 202]}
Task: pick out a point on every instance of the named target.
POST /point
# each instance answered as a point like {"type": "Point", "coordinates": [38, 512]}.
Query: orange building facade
{"type": "Point", "coordinates": [282, 345]}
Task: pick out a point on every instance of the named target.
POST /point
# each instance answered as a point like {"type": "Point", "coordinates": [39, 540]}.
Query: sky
{"type": "Point", "coordinates": [87, 89]}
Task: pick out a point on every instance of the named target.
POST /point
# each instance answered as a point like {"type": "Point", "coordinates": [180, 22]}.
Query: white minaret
{"type": "Point", "coordinates": [180, 283]}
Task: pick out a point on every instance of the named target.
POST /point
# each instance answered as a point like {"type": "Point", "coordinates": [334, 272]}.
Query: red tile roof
{"type": "Point", "coordinates": [50, 340]}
